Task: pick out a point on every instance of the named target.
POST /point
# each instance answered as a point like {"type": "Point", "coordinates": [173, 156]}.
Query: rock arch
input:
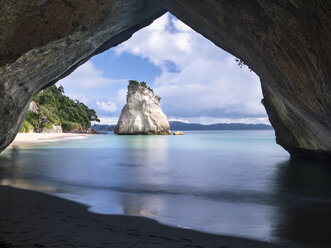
{"type": "Point", "coordinates": [287, 44]}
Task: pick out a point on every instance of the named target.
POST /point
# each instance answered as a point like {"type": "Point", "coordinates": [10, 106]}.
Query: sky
{"type": "Point", "coordinates": [198, 82]}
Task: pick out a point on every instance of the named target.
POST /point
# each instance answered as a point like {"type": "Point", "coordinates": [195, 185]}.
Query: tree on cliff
{"type": "Point", "coordinates": [56, 108]}
{"type": "Point", "coordinates": [142, 83]}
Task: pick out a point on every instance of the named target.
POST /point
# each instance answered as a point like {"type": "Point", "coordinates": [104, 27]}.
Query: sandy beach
{"type": "Point", "coordinates": [32, 219]}
{"type": "Point", "coordinates": [26, 138]}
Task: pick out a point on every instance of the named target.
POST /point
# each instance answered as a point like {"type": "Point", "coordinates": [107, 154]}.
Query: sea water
{"type": "Point", "coordinates": [238, 183]}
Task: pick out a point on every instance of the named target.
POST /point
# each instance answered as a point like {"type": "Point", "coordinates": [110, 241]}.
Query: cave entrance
{"type": "Point", "coordinates": [197, 81]}
{"type": "Point", "coordinates": [239, 182]}
{"type": "Point", "coordinates": [181, 180]}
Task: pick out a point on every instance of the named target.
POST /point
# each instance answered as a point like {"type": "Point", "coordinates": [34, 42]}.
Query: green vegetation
{"type": "Point", "coordinates": [58, 109]}
{"type": "Point", "coordinates": [26, 127]}
{"type": "Point", "coordinates": [142, 83]}
{"type": "Point", "coordinates": [67, 125]}
{"type": "Point", "coordinates": [241, 64]}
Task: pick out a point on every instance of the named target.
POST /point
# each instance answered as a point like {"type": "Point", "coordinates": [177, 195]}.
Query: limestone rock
{"type": "Point", "coordinates": [178, 133]}
{"type": "Point", "coordinates": [54, 129]}
{"type": "Point", "coordinates": [142, 113]}
{"type": "Point", "coordinates": [33, 107]}
{"type": "Point", "coordinates": [92, 131]}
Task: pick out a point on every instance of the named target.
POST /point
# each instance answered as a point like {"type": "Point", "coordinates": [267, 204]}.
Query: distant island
{"type": "Point", "coordinates": [177, 125]}
{"type": "Point", "coordinates": [100, 127]}
{"type": "Point", "coordinates": [50, 111]}
{"type": "Point", "coordinates": [182, 126]}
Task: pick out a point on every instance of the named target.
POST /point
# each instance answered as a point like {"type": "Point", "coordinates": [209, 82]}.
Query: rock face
{"type": "Point", "coordinates": [54, 129]}
{"type": "Point", "coordinates": [287, 44]}
{"type": "Point", "coordinates": [178, 133]}
{"type": "Point", "coordinates": [142, 113]}
{"type": "Point", "coordinates": [33, 107]}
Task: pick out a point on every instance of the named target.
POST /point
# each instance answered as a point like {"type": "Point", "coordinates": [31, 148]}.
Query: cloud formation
{"type": "Point", "coordinates": [105, 120]}
{"type": "Point", "coordinates": [198, 79]}
{"type": "Point", "coordinates": [87, 77]}
{"type": "Point", "coordinates": [89, 85]}
{"type": "Point", "coordinates": [107, 106]}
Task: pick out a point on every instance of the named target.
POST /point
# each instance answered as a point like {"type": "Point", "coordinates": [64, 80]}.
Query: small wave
{"type": "Point", "coordinates": [247, 196]}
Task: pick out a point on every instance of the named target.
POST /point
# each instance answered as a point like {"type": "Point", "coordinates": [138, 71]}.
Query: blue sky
{"type": "Point", "coordinates": [197, 81]}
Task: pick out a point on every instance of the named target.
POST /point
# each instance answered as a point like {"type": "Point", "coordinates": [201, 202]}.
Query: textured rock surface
{"type": "Point", "coordinates": [33, 107]}
{"type": "Point", "coordinates": [142, 113]}
{"type": "Point", "coordinates": [287, 43]}
{"type": "Point", "coordinates": [178, 133]}
{"type": "Point", "coordinates": [54, 129]}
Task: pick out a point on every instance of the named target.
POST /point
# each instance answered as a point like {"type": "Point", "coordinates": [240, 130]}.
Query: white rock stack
{"type": "Point", "coordinates": [142, 113]}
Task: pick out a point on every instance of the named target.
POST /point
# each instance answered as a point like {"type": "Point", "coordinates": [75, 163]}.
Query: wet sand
{"type": "Point", "coordinates": [32, 219]}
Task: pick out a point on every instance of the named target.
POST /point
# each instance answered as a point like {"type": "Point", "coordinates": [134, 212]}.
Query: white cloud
{"type": "Point", "coordinates": [208, 82]}
{"type": "Point", "coordinates": [82, 98]}
{"type": "Point", "coordinates": [86, 77]}
{"type": "Point", "coordinates": [107, 106]}
{"type": "Point", "coordinates": [107, 120]}
{"type": "Point", "coordinates": [159, 44]}
{"type": "Point", "coordinates": [178, 119]}
{"type": "Point", "coordinates": [121, 97]}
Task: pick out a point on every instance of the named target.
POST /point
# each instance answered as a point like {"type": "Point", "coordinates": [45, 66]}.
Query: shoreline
{"type": "Point", "coordinates": [33, 219]}
{"type": "Point", "coordinates": [27, 138]}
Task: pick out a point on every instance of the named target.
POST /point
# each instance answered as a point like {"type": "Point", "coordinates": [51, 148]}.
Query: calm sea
{"type": "Point", "coordinates": [238, 183]}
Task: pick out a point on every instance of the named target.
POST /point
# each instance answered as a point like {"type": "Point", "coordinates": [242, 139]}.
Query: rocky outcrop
{"type": "Point", "coordinates": [53, 129]}
{"type": "Point", "coordinates": [92, 131]}
{"type": "Point", "coordinates": [33, 107]}
{"type": "Point", "coordinates": [142, 113]}
{"type": "Point", "coordinates": [287, 43]}
{"type": "Point", "coordinates": [72, 127]}
{"type": "Point", "coordinates": [178, 133]}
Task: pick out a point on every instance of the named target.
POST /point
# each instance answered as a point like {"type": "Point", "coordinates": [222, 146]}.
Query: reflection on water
{"type": "Point", "coordinates": [240, 183]}
{"type": "Point", "coordinates": [307, 218]}
{"type": "Point", "coordinates": [11, 173]}
{"type": "Point", "coordinates": [14, 151]}
{"type": "Point", "coordinates": [151, 155]}
{"type": "Point", "coordinates": [143, 152]}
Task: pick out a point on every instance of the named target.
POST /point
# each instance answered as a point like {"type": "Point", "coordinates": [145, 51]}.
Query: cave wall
{"type": "Point", "coordinates": [286, 42]}
{"type": "Point", "coordinates": [288, 45]}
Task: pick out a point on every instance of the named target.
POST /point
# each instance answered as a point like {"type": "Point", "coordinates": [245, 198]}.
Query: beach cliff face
{"type": "Point", "coordinates": [142, 113]}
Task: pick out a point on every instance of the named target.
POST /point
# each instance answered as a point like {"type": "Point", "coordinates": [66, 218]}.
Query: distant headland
{"type": "Point", "coordinates": [183, 126]}
{"type": "Point", "coordinates": [50, 111]}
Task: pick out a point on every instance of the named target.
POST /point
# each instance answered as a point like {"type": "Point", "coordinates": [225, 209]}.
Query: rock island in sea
{"type": "Point", "coordinates": [142, 113]}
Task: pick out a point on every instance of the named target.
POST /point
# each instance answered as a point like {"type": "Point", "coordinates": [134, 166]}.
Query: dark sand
{"type": "Point", "coordinates": [32, 219]}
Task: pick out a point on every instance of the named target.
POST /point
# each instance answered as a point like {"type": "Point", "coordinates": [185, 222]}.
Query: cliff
{"type": "Point", "coordinates": [142, 113]}
{"type": "Point", "coordinates": [53, 112]}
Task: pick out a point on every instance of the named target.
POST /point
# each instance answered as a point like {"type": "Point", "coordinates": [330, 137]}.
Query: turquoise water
{"type": "Point", "coordinates": [237, 183]}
